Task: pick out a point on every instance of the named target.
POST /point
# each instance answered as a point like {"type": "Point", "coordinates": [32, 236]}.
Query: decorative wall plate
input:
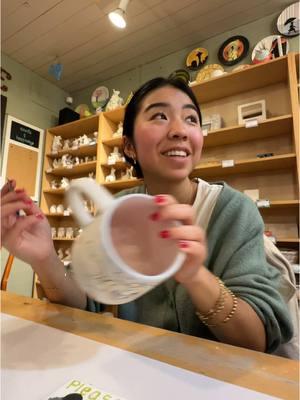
{"type": "Point", "coordinates": [100, 97]}
{"type": "Point", "coordinates": [182, 74]}
{"type": "Point", "coordinates": [208, 71]}
{"type": "Point", "coordinates": [233, 50]}
{"type": "Point", "coordinates": [270, 47]}
{"type": "Point", "coordinates": [196, 58]}
{"type": "Point", "coordinates": [288, 23]}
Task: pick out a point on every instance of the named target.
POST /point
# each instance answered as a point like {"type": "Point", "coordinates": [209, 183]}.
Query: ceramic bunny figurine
{"type": "Point", "coordinates": [112, 176]}
{"type": "Point", "coordinates": [115, 101]}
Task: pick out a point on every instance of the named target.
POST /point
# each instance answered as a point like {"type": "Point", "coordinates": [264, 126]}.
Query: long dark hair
{"type": "Point", "coordinates": [134, 106]}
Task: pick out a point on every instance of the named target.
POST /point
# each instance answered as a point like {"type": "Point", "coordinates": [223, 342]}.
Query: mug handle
{"type": "Point", "coordinates": [95, 192]}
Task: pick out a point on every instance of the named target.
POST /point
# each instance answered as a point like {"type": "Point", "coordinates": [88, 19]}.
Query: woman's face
{"type": "Point", "coordinates": [167, 135]}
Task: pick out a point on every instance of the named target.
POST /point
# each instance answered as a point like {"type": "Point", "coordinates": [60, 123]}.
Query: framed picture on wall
{"type": "Point", "coordinates": [22, 155]}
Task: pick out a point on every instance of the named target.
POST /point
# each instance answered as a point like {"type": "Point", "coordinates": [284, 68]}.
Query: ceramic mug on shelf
{"type": "Point", "coordinates": [120, 255]}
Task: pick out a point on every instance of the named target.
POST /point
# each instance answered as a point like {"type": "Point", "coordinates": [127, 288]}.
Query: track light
{"type": "Point", "coordinates": [117, 17]}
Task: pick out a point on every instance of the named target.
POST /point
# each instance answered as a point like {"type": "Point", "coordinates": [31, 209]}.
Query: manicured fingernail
{"type": "Point", "coordinates": [164, 234]}
{"type": "Point", "coordinates": [160, 198]}
{"type": "Point", "coordinates": [183, 244]}
{"type": "Point", "coordinates": [39, 216]}
{"type": "Point", "coordinates": [20, 190]}
{"type": "Point", "coordinates": [29, 201]}
{"type": "Point", "coordinates": [154, 216]}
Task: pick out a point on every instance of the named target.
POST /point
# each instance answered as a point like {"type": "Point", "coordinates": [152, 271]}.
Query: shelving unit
{"type": "Point", "coordinates": [276, 177]}
{"type": "Point", "coordinates": [52, 196]}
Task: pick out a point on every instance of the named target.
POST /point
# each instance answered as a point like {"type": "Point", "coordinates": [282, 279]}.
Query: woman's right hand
{"type": "Point", "coordinates": [26, 237]}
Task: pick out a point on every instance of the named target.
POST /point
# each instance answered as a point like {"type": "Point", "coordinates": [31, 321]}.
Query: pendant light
{"type": "Point", "coordinates": [117, 17]}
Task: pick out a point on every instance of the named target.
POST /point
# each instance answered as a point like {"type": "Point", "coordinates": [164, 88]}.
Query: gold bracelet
{"type": "Point", "coordinates": [234, 307]}
{"type": "Point", "coordinates": [218, 307]}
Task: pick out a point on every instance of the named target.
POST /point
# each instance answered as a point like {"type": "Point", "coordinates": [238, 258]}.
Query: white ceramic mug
{"type": "Point", "coordinates": [120, 255]}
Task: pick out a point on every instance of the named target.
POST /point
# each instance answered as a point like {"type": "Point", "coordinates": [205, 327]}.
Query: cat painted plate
{"type": "Point", "coordinates": [196, 58]}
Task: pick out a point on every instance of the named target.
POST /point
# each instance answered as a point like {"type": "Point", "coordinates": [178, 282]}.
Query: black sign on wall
{"type": "Point", "coordinates": [24, 134]}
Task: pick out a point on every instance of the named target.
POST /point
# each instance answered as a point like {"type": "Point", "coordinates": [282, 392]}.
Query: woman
{"type": "Point", "coordinates": [225, 290]}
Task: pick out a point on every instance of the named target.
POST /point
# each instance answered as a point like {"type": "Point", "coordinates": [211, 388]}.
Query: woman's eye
{"type": "Point", "coordinates": [159, 115]}
{"type": "Point", "coordinates": [192, 119]}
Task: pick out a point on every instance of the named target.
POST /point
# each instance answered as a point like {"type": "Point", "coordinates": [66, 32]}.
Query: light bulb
{"type": "Point", "coordinates": [117, 18]}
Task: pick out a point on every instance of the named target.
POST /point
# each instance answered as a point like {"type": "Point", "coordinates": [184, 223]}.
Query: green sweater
{"type": "Point", "coordinates": [235, 254]}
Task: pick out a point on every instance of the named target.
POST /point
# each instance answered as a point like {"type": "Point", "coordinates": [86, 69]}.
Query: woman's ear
{"type": "Point", "coordinates": [128, 148]}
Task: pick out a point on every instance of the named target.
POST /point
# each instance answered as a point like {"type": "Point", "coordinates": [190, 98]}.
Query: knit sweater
{"type": "Point", "coordinates": [235, 254]}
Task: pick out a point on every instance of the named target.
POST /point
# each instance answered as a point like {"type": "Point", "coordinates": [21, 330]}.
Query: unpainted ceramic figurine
{"type": "Point", "coordinates": [112, 176]}
{"type": "Point", "coordinates": [119, 131]}
{"type": "Point", "coordinates": [115, 101]}
{"type": "Point", "coordinates": [69, 233]}
{"type": "Point", "coordinates": [64, 183]}
{"type": "Point", "coordinates": [56, 144]}
{"type": "Point", "coordinates": [61, 232]}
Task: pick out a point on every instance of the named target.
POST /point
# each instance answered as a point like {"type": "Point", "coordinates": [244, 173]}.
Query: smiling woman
{"type": "Point", "coordinates": [225, 290]}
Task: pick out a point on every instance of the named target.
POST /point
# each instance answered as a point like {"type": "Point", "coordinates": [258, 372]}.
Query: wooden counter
{"type": "Point", "coordinates": [257, 371]}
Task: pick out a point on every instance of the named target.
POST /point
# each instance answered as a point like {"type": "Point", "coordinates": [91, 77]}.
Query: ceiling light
{"type": "Point", "coordinates": [117, 17]}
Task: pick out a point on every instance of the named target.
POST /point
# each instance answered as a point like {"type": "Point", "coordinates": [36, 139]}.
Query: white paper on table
{"type": "Point", "coordinates": [37, 360]}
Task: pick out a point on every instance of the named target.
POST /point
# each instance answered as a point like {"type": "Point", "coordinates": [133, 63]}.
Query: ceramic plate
{"type": "Point", "coordinates": [182, 74]}
{"type": "Point", "coordinates": [233, 50]}
{"type": "Point", "coordinates": [288, 23]}
{"type": "Point", "coordinates": [100, 97]}
{"type": "Point", "coordinates": [196, 58]}
{"type": "Point", "coordinates": [208, 71]}
{"type": "Point", "coordinates": [270, 47]}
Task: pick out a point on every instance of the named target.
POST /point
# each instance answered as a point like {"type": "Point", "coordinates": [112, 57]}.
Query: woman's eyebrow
{"type": "Point", "coordinates": [154, 105]}
{"type": "Point", "coordinates": [162, 104]}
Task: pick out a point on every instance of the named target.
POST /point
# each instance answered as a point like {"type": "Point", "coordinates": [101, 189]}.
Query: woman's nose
{"type": "Point", "coordinates": [177, 130]}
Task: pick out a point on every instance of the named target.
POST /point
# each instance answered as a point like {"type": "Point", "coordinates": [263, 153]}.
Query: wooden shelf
{"type": "Point", "coordinates": [57, 215]}
{"type": "Point", "coordinates": [287, 240]}
{"type": "Point", "coordinates": [54, 191]}
{"type": "Point", "coordinates": [118, 165]}
{"type": "Point", "coordinates": [254, 77]}
{"type": "Point", "coordinates": [63, 240]}
{"type": "Point", "coordinates": [284, 203]}
{"type": "Point", "coordinates": [76, 128]}
{"type": "Point", "coordinates": [77, 169]}
{"type": "Point", "coordinates": [125, 184]}
{"type": "Point", "coordinates": [246, 166]}
{"type": "Point", "coordinates": [271, 127]}
{"type": "Point", "coordinates": [116, 115]}
{"type": "Point", "coordinates": [89, 150]}
{"type": "Point", "coordinates": [113, 142]}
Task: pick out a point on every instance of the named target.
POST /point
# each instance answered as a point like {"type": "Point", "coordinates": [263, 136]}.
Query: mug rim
{"type": "Point", "coordinates": [115, 257]}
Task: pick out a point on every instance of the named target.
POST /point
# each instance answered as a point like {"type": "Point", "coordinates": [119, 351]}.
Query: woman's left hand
{"type": "Point", "coordinates": [189, 237]}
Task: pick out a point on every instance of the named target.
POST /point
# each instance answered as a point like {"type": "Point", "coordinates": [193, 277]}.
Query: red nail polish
{"type": "Point", "coordinates": [154, 216]}
{"type": "Point", "coordinates": [164, 234]}
{"type": "Point", "coordinates": [39, 216]}
{"type": "Point", "coordinates": [160, 198]}
{"type": "Point", "coordinates": [20, 190]}
{"type": "Point", "coordinates": [183, 244]}
{"type": "Point", "coordinates": [29, 202]}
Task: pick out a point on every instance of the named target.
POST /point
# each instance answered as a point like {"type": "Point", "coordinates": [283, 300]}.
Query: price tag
{"type": "Point", "coordinates": [263, 203]}
{"type": "Point", "coordinates": [66, 213]}
{"type": "Point", "coordinates": [205, 132]}
{"type": "Point", "coordinates": [251, 123]}
{"type": "Point", "coordinates": [227, 163]}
